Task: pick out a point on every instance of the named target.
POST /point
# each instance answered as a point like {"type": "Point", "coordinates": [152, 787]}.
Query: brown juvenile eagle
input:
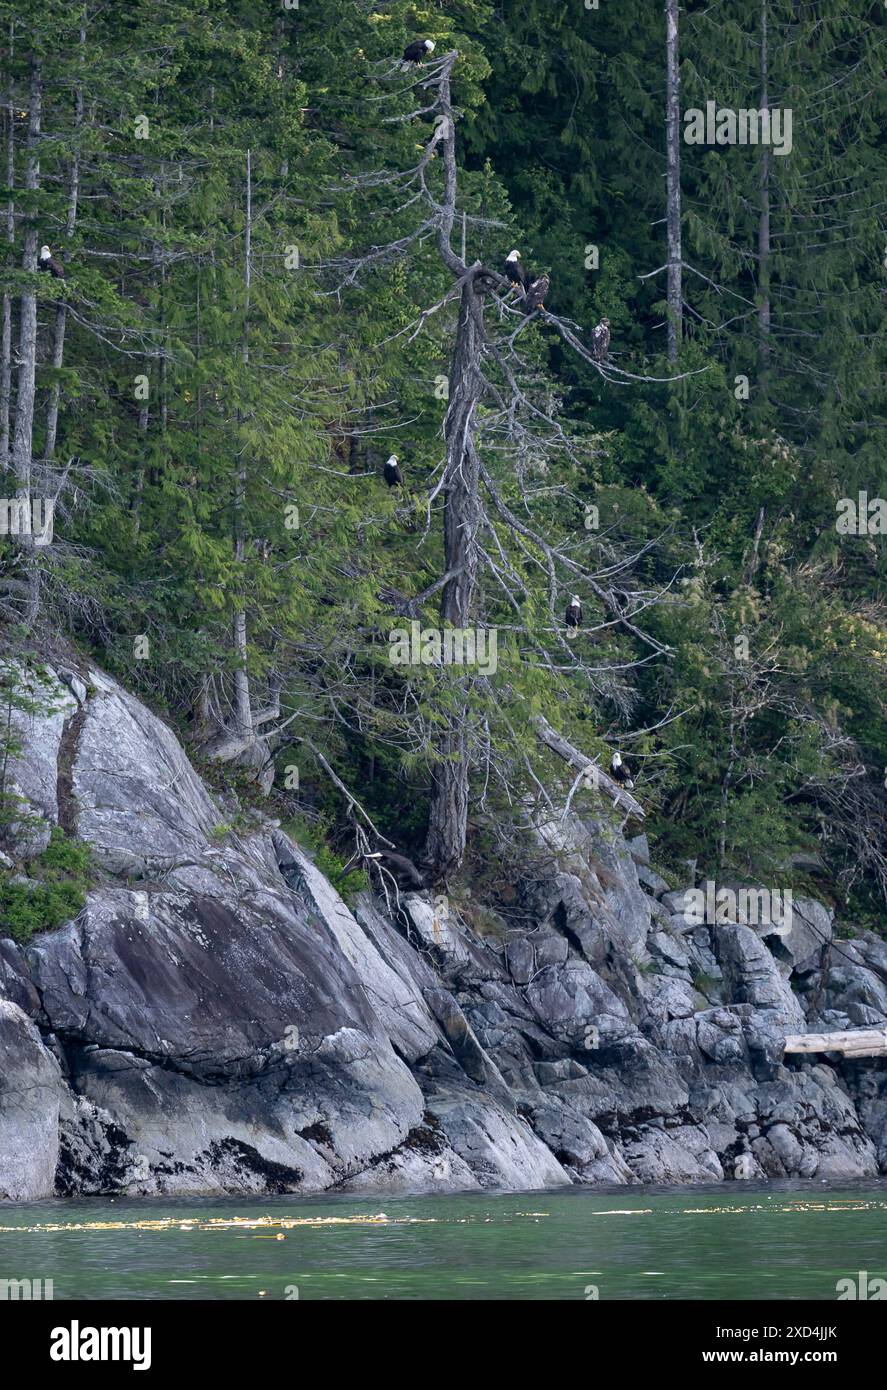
{"type": "Point", "coordinates": [534, 297]}
{"type": "Point", "coordinates": [600, 341]}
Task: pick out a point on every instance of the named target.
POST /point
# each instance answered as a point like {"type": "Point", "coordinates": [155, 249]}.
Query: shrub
{"type": "Point", "coordinates": [347, 882]}
{"type": "Point", "coordinates": [50, 890]}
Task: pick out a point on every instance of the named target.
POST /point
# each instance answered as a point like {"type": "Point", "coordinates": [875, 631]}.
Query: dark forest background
{"type": "Point", "coordinates": [243, 336]}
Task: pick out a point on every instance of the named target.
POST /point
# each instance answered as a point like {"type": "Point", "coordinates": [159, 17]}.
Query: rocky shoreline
{"type": "Point", "coordinates": [218, 1020]}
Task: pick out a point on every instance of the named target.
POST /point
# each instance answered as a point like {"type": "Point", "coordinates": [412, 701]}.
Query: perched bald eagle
{"type": "Point", "coordinates": [515, 271]}
{"type": "Point", "coordinates": [600, 341]}
{"type": "Point", "coordinates": [620, 772]}
{"type": "Point", "coordinates": [574, 616]}
{"type": "Point", "coordinates": [418, 50]}
{"type": "Point", "coordinates": [47, 261]}
{"type": "Point", "coordinates": [403, 870]}
{"type": "Point", "coordinates": [391, 472]}
{"type": "Point", "coordinates": [534, 297]}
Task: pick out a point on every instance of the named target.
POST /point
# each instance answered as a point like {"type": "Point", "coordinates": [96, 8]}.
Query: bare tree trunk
{"type": "Point", "coordinates": [726, 786]}
{"type": "Point", "coordinates": [752, 565]}
{"type": "Point", "coordinates": [22, 441]}
{"type": "Point", "coordinates": [448, 811]}
{"type": "Point", "coordinates": [139, 483]}
{"type": "Point", "coordinates": [6, 332]}
{"type": "Point", "coordinates": [764, 223]}
{"type": "Point", "coordinates": [58, 345]}
{"type": "Point", "coordinates": [138, 488]}
{"type": "Point", "coordinates": [461, 510]}
{"type": "Point", "coordinates": [242, 705]}
{"type": "Point", "coordinates": [673, 182]}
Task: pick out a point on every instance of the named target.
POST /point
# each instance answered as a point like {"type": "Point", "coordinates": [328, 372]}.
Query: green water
{"type": "Point", "coordinates": [736, 1241]}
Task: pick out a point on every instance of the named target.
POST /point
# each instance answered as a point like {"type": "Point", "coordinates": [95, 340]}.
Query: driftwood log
{"type": "Point", "coordinates": [858, 1042]}
{"type": "Point", "coordinates": [597, 778]}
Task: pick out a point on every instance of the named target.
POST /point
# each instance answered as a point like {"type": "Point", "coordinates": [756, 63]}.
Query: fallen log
{"type": "Point", "coordinates": [596, 777]}
{"type": "Point", "coordinates": [857, 1042]}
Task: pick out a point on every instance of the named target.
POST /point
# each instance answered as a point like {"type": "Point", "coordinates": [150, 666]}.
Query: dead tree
{"type": "Point", "coordinates": [764, 218]}
{"type": "Point", "coordinates": [448, 810]}
{"type": "Point", "coordinates": [673, 180]}
{"type": "Point", "coordinates": [61, 315]}
{"type": "Point", "coordinates": [463, 473]}
{"type": "Point", "coordinates": [6, 332]}
{"type": "Point", "coordinates": [487, 369]}
{"type": "Point", "coordinates": [242, 704]}
{"type": "Point", "coordinates": [23, 433]}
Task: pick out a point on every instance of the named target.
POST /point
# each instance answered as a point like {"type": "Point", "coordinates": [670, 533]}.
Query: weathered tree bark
{"type": "Point", "coordinates": [138, 488]}
{"type": "Point", "coordinates": [448, 811]}
{"type": "Point", "coordinates": [673, 181]}
{"type": "Point", "coordinates": [6, 331]}
{"type": "Point", "coordinates": [753, 559]}
{"type": "Point", "coordinates": [22, 442]}
{"type": "Point", "coordinates": [58, 345]}
{"type": "Point", "coordinates": [242, 704]}
{"type": "Point", "coordinates": [764, 224]}
{"type": "Point", "coordinates": [461, 511]}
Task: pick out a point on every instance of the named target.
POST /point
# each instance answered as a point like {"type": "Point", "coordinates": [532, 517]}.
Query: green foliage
{"type": "Point", "coordinates": [347, 882]}
{"type": "Point", "coordinates": [290, 394]}
{"type": "Point", "coordinates": [311, 835]}
{"type": "Point", "coordinates": [46, 891]}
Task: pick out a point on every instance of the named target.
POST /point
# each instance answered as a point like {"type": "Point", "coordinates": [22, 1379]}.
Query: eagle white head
{"type": "Point", "coordinates": [513, 256]}
{"type": "Point", "coordinates": [45, 253]}
{"type": "Point", "coordinates": [617, 760]}
{"type": "Point", "coordinates": [574, 602]}
{"type": "Point", "coordinates": [429, 45]}
{"type": "Point", "coordinates": [391, 459]}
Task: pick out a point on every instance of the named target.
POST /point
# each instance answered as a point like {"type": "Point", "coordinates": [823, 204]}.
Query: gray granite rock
{"type": "Point", "coordinates": [31, 1091]}
{"type": "Point", "coordinates": [217, 1019]}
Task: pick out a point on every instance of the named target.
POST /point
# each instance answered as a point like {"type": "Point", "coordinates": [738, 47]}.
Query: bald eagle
{"type": "Point", "coordinates": [620, 772]}
{"type": "Point", "coordinates": [47, 261]}
{"type": "Point", "coordinates": [600, 341]}
{"type": "Point", "coordinates": [574, 616]}
{"type": "Point", "coordinates": [515, 272]}
{"type": "Point", "coordinates": [419, 49]}
{"type": "Point", "coordinates": [391, 472]}
{"type": "Point", "coordinates": [534, 297]}
{"type": "Point", "coordinates": [403, 870]}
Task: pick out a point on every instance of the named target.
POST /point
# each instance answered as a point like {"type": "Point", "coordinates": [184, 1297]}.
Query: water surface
{"type": "Point", "coordinates": [736, 1241]}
